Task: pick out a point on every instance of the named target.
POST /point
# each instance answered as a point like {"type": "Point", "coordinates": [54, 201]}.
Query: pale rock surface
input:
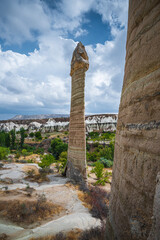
{"type": "Point", "coordinates": [137, 151]}
{"type": "Point", "coordinates": [75, 216]}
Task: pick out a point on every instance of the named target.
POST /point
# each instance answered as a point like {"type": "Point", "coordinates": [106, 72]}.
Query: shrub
{"type": "Point", "coordinates": [3, 153]}
{"type": "Point", "coordinates": [23, 161]}
{"type": "Point", "coordinates": [31, 134]}
{"type": "Point", "coordinates": [29, 211]}
{"type": "Point", "coordinates": [38, 135]}
{"type": "Point", "coordinates": [58, 147]}
{"type": "Point", "coordinates": [93, 234]}
{"type": "Point", "coordinates": [39, 151]}
{"type": "Point", "coordinates": [29, 148]}
{"type": "Point", "coordinates": [24, 152]}
{"type": "Point", "coordinates": [46, 160]}
{"type": "Point", "coordinates": [63, 159]}
{"type": "Point", "coordinates": [31, 173]}
{"type": "Point", "coordinates": [17, 155]}
{"type": "Point", "coordinates": [93, 157]}
{"type": "Point", "coordinates": [98, 170]}
{"type": "Point", "coordinates": [105, 162]}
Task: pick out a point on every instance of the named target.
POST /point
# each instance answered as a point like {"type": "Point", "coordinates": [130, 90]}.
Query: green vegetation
{"type": "Point", "coordinates": [95, 136]}
{"type": "Point", "coordinates": [57, 147]}
{"type": "Point", "coordinates": [46, 160]}
{"type": "Point", "coordinates": [61, 163]}
{"type": "Point", "coordinates": [31, 134]}
{"type": "Point", "coordinates": [22, 133]}
{"type": "Point", "coordinates": [38, 135]}
{"type": "Point", "coordinates": [3, 153]}
{"type": "Point", "coordinates": [13, 138]}
{"type": "Point", "coordinates": [5, 139]}
{"type": "Point", "coordinates": [105, 152]}
{"type": "Point", "coordinates": [98, 170]}
{"type": "Point", "coordinates": [102, 177]}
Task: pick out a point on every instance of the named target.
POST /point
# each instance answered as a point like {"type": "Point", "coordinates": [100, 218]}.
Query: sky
{"type": "Point", "coordinates": [37, 39]}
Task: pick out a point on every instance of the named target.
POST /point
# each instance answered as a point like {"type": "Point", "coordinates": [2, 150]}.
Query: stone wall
{"type": "Point", "coordinates": [137, 147]}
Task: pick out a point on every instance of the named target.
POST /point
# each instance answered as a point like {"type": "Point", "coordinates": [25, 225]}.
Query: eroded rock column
{"type": "Point", "coordinates": [137, 146]}
{"type": "Point", "coordinates": [76, 163]}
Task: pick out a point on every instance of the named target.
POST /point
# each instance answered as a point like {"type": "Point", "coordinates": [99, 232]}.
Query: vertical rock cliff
{"type": "Point", "coordinates": [137, 147]}
{"type": "Point", "coordinates": [76, 162]}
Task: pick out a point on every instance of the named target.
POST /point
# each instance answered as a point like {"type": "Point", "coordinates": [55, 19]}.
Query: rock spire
{"type": "Point", "coordinates": [76, 163]}
{"type": "Point", "coordinates": [137, 144]}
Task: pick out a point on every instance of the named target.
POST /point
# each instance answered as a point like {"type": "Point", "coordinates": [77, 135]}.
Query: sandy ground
{"type": "Point", "coordinates": [75, 215]}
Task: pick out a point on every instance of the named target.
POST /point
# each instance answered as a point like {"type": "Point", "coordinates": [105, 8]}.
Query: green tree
{"type": "Point", "coordinates": [38, 135]}
{"type": "Point", "coordinates": [22, 133]}
{"type": "Point", "coordinates": [2, 139]}
{"type": "Point", "coordinates": [7, 140]}
{"type": "Point", "coordinates": [13, 138]}
{"type": "Point", "coordinates": [31, 134]}
{"type": "Point", "coordinates": [57, 147]}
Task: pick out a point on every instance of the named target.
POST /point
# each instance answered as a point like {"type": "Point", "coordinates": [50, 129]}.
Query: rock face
{"type": "Point", "coordinates": [100, 122]}
{"type": "Point", "coordinates": [137, 147]}
{"type": "Point", "coordinates": [76, 163]}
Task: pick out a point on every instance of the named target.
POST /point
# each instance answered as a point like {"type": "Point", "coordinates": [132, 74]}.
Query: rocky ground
{"type": "Point", "coordinates": [72, 214]}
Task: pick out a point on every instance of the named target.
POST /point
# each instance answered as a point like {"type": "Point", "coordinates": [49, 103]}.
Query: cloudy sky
{"type": "Point", "coordinates": [37, 39]}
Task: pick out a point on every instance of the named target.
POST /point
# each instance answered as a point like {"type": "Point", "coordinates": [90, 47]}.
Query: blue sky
{"type": "Point", "coordinates": [37, 39]}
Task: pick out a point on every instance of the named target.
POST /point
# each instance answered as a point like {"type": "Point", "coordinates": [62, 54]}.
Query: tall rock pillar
{"type": "Point", "coordinates": [76, 163]}
{"type": "Point", "coordinates": [137, 145]}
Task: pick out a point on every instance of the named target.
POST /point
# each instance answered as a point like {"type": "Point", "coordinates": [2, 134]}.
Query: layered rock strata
{"type": "Point", "coordinates": [137, 146]}
{"type": "Point", "coordinates": [76, 163]}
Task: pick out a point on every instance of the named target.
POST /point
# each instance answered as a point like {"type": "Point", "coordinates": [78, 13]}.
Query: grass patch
{"type": "Point", "coordinates": [72, 235]}
{"type": "Point", "coordinates": [39, 177]}
{"type": "Point", "coordinates": [96, 200]}
{"type": "Point", "coordinates": [91, 234]}
{"type": "Point", "coordinates": [29, 212]}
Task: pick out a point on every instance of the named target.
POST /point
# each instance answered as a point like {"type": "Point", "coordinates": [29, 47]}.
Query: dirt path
{"type": "Point", "coordinates": [56, 191]}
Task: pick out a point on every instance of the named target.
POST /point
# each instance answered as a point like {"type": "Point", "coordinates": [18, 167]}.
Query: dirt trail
{"type": "Point", "coordinates": [56, 191]}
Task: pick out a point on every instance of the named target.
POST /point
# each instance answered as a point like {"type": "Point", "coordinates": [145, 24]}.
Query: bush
{"type": "Point", "coordinates": [17, 155]}
{"type": "Point", "coordinates": [57, 147]}
{"type": "Point", "coordinates": [24, 152]}
{"type": "Point", "coordinates": [93, 157]}
{"type": "Point", "coordinates": [29, 211]}
{"type": "Point", "coordinates": [39, 151]}
{"type": "Point", "coordinates": [46, 160]}
{"type": "Point", "coordinates": [31, 134]}
{"type": "Point", "coordinates": [3, 153]}
{"type": "Point", "coordinates": [61, 162]}
{"type": "Point", "coordinates": [98, 170]}
{"type": "Point", "coordinates": [23, 161]}
{"type": "Point", "coordinates": [93, 234]}
{"type": "Point", "coordinates": [38, 135]}
{"type": "Point", "coordinates": [29, 148]}
{"type": "Point", "coordinates": [105, 162]}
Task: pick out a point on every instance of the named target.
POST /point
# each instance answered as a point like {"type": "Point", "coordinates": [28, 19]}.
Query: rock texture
{"type": "Point", "coordinates": [155, 232]}
{"type": "Point", "coordinates": [99, 122]}
{"type": "Point", "coordinates": [76, 163]}
{"type": "Point", "coordinates": [137, 147]}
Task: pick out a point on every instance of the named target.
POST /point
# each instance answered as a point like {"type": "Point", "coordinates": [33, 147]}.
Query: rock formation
{"type": "Point", "coordinates": [76, 163]}
{"type": "Point", "coordinates": [137, 147]}
{"type": "Point", "coordinates": [99, 122]}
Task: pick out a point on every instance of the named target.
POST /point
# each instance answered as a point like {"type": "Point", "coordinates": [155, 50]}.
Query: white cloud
{"type": "Point", "coordinates": [19, 20]}
{"type": "Point", "coordinates": [40, 81]}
